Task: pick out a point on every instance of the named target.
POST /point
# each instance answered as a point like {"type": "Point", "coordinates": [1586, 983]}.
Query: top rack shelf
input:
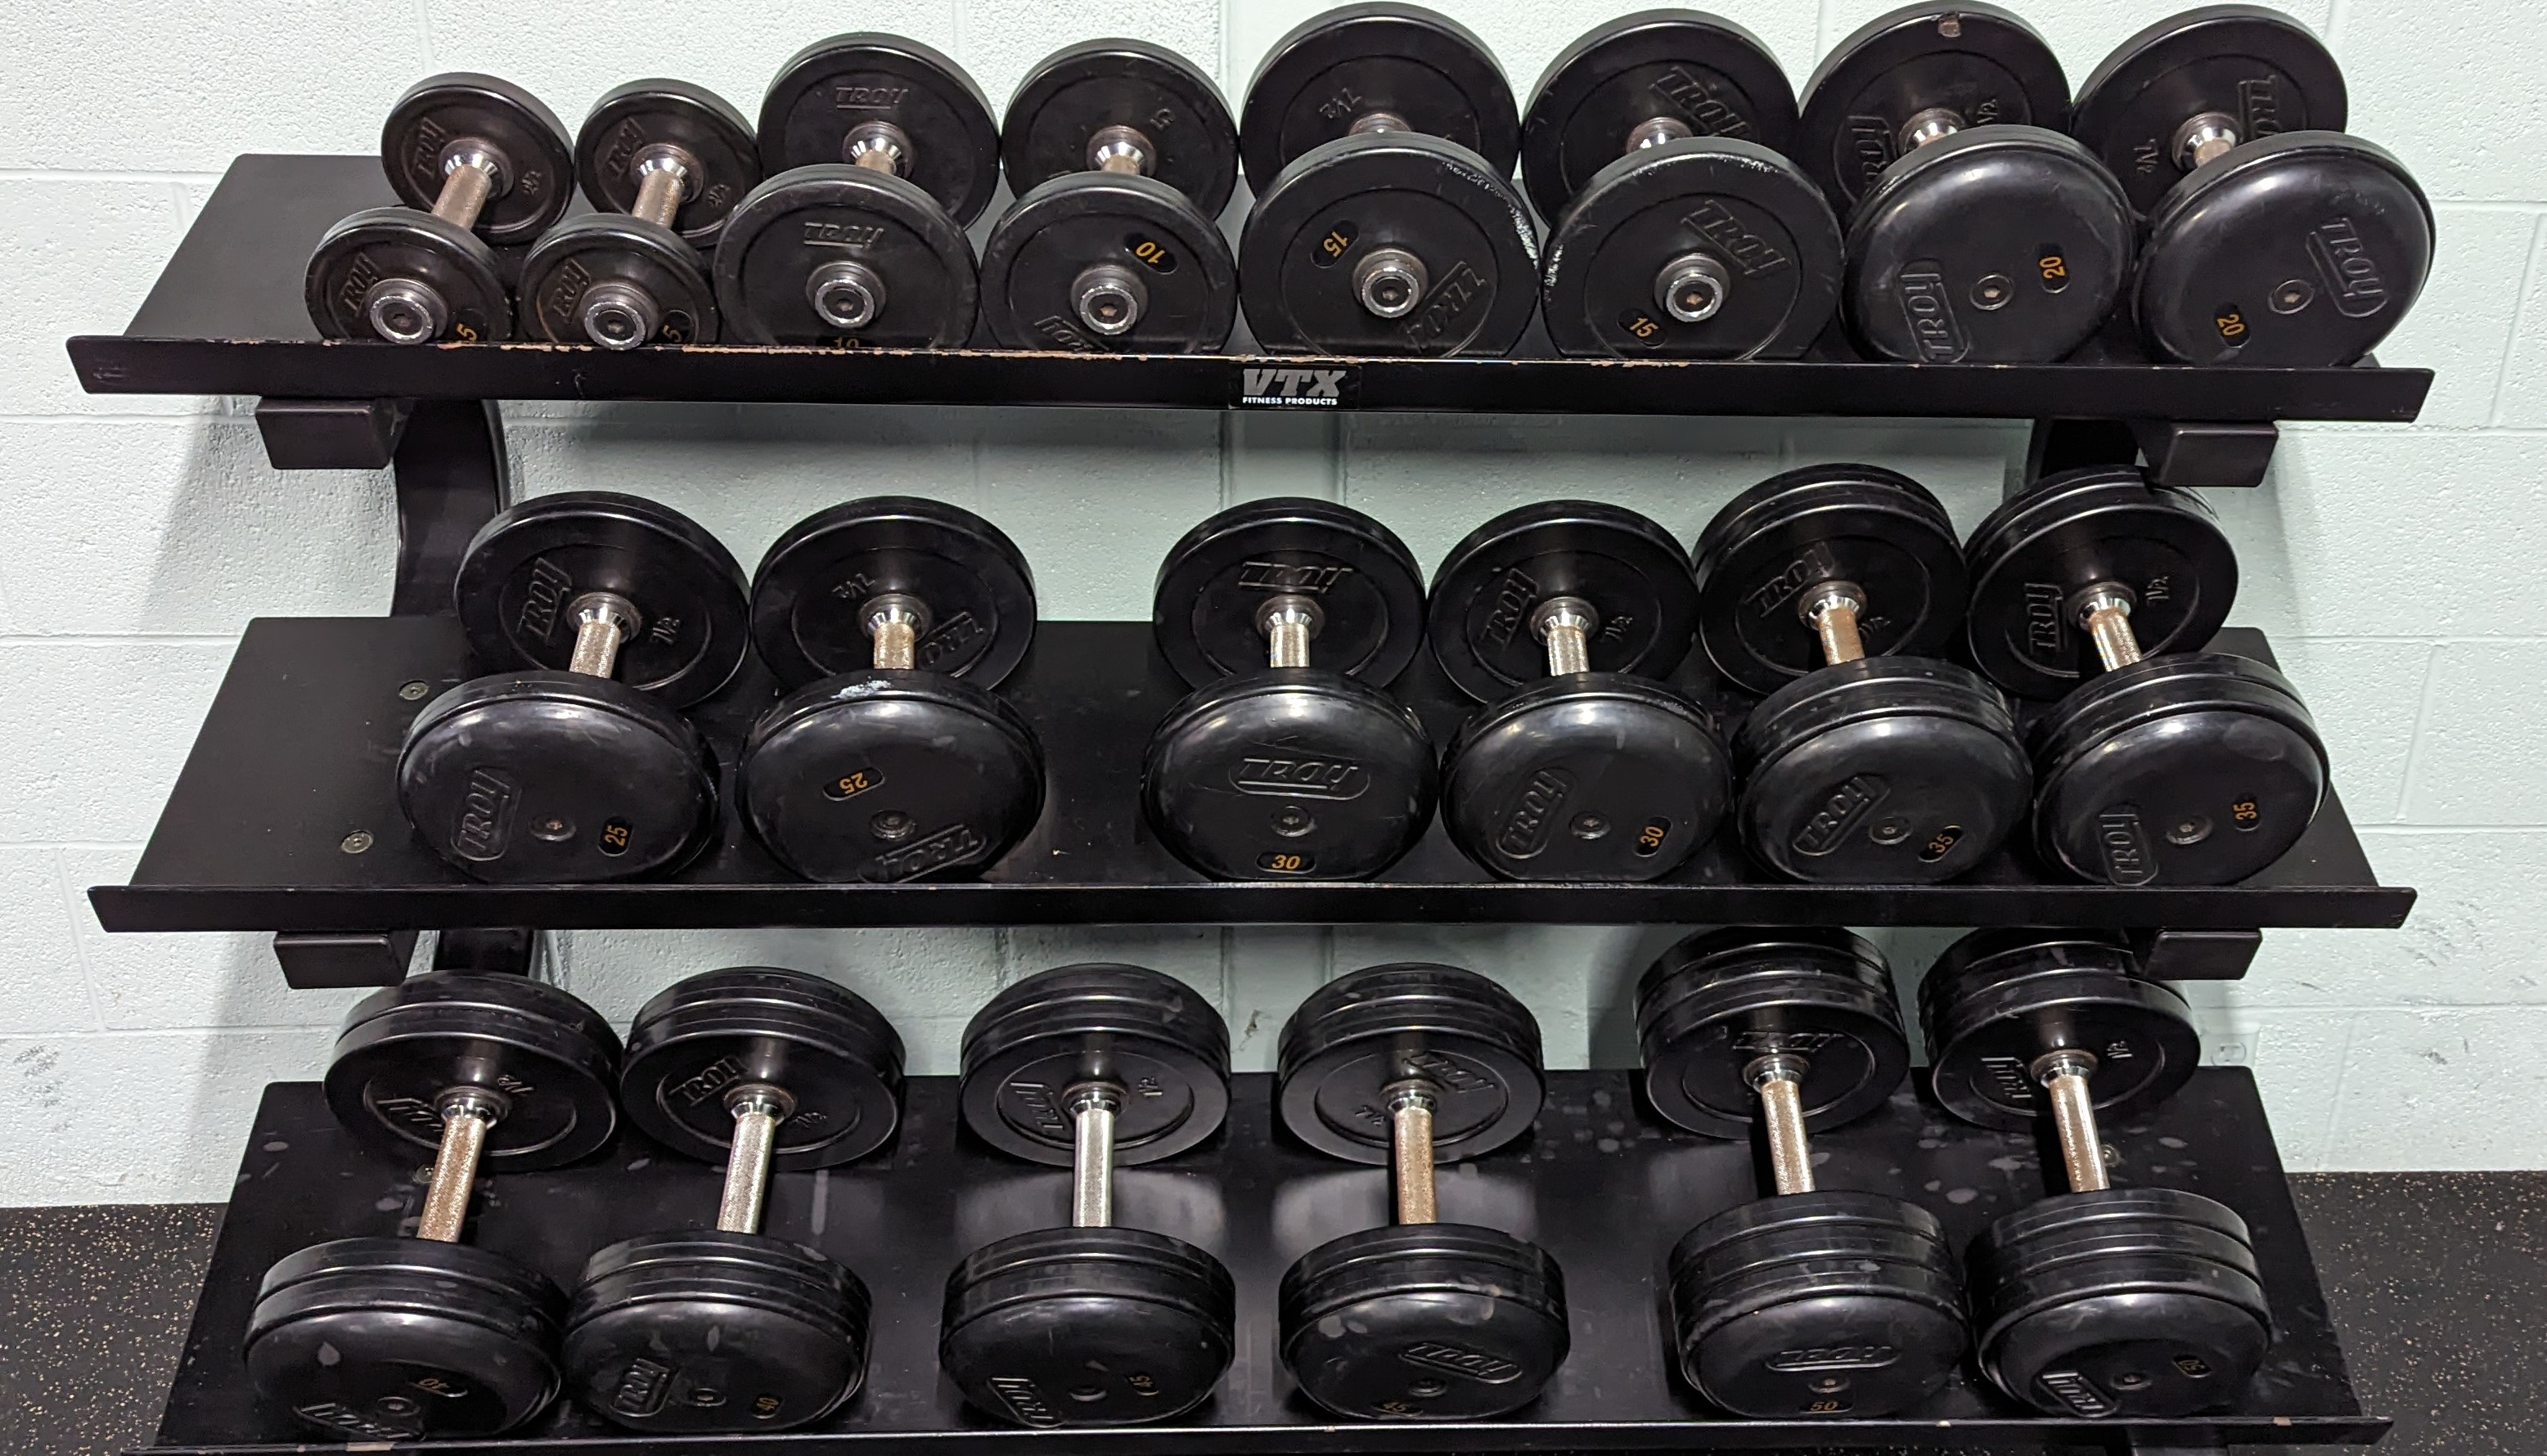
{"type": "Point", "coordinates": [226, 317]}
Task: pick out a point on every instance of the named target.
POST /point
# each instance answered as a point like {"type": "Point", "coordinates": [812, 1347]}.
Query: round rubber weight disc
{"type": "Point", "coordinates": [829, 215]}
{"type": "Point", "coordinates": [1424, 1322]}
{"type": "Point", "coordinates": [1471, 1039]}
{"type": "Point", "coordinates": [1702, 71]}
{"type": "Point", "coordinates": [1720, 1000]}
{"type": "Point", "coordinates": [2033, 554]}
{"type": "Point", "coordinates": [1631, 570]}
{"type": "Point", "coordinates": [440, 115]}
{"type": "Point", "coordinates": [2260, 69]}
{"type": "Point", "coordinates": [1357, 59]}
{"type": "Point", "coordinates": [810, 591]}
{"type": "Point", "coordinates": [1587, 777]}
{"type": "Point", "coordinates": [540, 777]}
{"type": "Point", "coordinates": [605, 248]}
{"type": "Point", "coordinates": [1876, 530]}
{"type": "Point", "coordinates": [1613, 257]}
{"type": "Point", "coordinates": [1082, 89]}
{"type": "Point", "coordinates": [382, 243]}
{"type": "Point", "coordinates": [1146, 1033]}
{"type": "Point", "coordinates": [1036, 267]}
{"type": "Point", "coordinates": [833, 87]}
{"type": "Point", "coordinates": [1997, 245]}
{"type": "Point", "coordinates": [837, 1059]}
{"type": "Point", "coordinates": [632, 117]}
{"type": "Point", "coordinates": [1289, 774]}
{"type": "Point", "coordinates": [1976, 61]}
{"type": "Point", "coordinates": [553, 1058]}
{"type": "Point", "coordinates": [1436, 200]}
{"type": "Point", "coordinates": [1997, 1000]}
{"type": "Point", "coordinates": [2299, 250]}
{"type": "Point", "coordinates": [888, 777]}
{"type": "Point", "coordinates": [1088, 1328]}
{"type": "Point", "coordinates": [522, 572]}
{"type": "Point", "coordinates": [1212, 584]}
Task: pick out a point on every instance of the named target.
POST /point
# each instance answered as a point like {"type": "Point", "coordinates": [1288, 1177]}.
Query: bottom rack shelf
{"type": "Point", "coordinates": [1599, 1182]}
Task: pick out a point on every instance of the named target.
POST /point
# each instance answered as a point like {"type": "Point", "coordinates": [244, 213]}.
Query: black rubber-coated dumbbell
{"type": "Point", "coordinates": [1565, 617]}
{"type": "Point", "coordinates": [2272, 237]}
{"type": "Point", "coordinates": [1978, 230]}
{"type": "Point", "coordinates": [426, 1338]}
{"type": "Point", "coordinates": [1832, 589]}
{"type": "Point", "coordinates": [667, 163]}
{"type": "Point", "coordinates": [1379, 140]}
{"type": "Point", "coordinates": [595, 614]}
{"type": "Point", "coordinates": [1121, 154]}
{"type": "Point", "coordinates": [1655, 144]}
{"type": "Point", "coordinates": [691, 1330]}
{"type": "Point", "coordinates": [2174, 765]}
{"type": "Point", "coordinates": [2098, 1302]}
{"type": "Point", "coordinates": [1407, 1066]}
{"type": "Point", "coordinates": [880, 152]}
{"type": "Point", "coordinates": [891, 619]}
{"type": "Point", "coordinates": [1272, 769]}
{"type": "Point", "coordinates": [478, 164]}
{"type": "Point", "coordinates": [1788, 1031]}
{"type": "Point", "coordinates": [1087, 1068]}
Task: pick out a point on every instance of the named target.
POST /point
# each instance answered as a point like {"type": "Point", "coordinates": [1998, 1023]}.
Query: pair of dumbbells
{"type": "Point", "coordinates": [2096, 1302]}
{"type": "Point", "coordinates": [597, 615]}
{"type": "Point", "coordinates": [479, 165]}
{"type": "Point", "coordinates": [1835, 590]}
{"type": "Point", "coordinates": [882, 151]}
{"type": "Point", "coordinates": [1278, 769]}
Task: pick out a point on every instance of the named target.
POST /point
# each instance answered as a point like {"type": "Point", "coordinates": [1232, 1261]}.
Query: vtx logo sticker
{"type": "Point", "coordinates": [1284, 388]}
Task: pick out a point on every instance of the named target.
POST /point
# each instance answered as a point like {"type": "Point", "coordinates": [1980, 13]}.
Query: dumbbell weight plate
{"type": "Point", "coordinates": [1084, 88]}
{"type": "Point", "coordinates": [521, 573]}
{"type": "Point", "coordinates": [1351, 62]}
{"type": "Point", "coordinates": [1356, 1035]}
{"type": "Point", "coordinates": [1720, 1000]}
{"type": "Point", "coordinates": [820, 216]}
{"type": "Point", "coordinates": [606, 248]}
{"type": "Point", "coordinates": [1289, 774]}
{"type": "Point", "coordinates": [2197, 768]}
{"type": "Point", "coordinates": [639, 115]}
{"type": "Point", "coordinates": [973, 580]}
{"type": "Point", "coordinates": [2302, 250]}
{"type": "Point", "coordinates": [1700, 70]}
{"type": "Point", "coordinates": [835, 1057]}
{"type": "Point", "coordinates": [1633, 573]}
{"type": "Point", "coordinates": [1610, 257]}
{"type": "Point", "coordinates": [537, 777]}
{"type": "Point", "coordinates": [1861, 524]}
{"type": "Point", "coordinates": [832, 88]}
{"type": "Point", "coordinates": [1589, 777]}
{"type": "Point", "coordinates": [888, 777]}
{"type": "Point", "coordinates": [705, 1330]}
{"type": "Point", "coordinates": [1732, 1242]}
{"type": "Point", "coordinates": [1887, 1332]}
{"type": "Point", "coordinates": [1212, 582]}
{"type": "Point", "coordinates": [1998, 1000]}
{"type": "Point", "coordinates": [550, 1057]}
{"type": "Point", "coordinates": [1427, 1322]}
{"type": "Point", "coordinates": [2261, 69]}
{"type": "Point", "coordinates": [1995, 245]}
{"type": "Point", "coordinates": [404, 1340]}
{"type": "Point", "coordinates": [1978, 59]}
{"type": "Point", "coordinates": [1331, 210]}
{"type": "Point", "coordinates": [381, 243]}
{"type": "Point", "coordinates": [1088, 1326]}
{"type": "Point", "coordinates": [1041, 251]}
{"type": "Point", "coordinates": [2031, 555]}
{"type": "Point", "coordinates": [539, 161]}
{"type": "Point", "coordinates": [1882, 771]}
{"type": "Point", "coordinates": [1148, 1033]}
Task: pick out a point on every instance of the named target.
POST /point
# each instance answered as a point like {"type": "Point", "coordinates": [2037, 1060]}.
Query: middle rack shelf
{"type": "Point", "coordinates": [286, 818]}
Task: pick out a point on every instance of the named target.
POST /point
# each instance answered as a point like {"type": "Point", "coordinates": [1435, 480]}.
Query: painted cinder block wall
{"type": "Point", "coordinates": [137, 536]}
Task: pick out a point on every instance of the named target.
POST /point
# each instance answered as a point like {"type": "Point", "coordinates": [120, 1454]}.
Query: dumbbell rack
{"type": "Point", "coordinates": [283, 820]}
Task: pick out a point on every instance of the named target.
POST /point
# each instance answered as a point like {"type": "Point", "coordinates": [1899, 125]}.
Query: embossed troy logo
{"type": "Point", "coordinates": [1451, 1359]}
{"type": "Point", "coordinates": [1299, 778]}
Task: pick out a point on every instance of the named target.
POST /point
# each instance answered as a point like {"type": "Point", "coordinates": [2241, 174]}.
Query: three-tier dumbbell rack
{"type": "Point", "coordinates": [283, 820]}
